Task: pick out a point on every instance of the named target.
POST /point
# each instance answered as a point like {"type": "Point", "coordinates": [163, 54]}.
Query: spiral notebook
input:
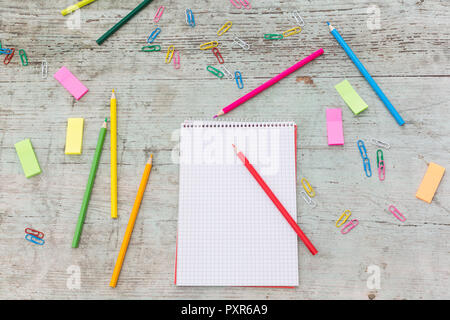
{"type": "Point", "coordinates": [229, 231]}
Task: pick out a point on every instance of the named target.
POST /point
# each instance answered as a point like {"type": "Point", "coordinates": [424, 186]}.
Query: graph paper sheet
{"type": "Point", "coordinates": [229, 232]}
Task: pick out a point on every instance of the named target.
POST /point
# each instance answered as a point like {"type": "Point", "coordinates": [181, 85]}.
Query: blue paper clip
{"type": "Point", "coordinates": [366, 161]}
{"type": "Point", "coordinates": [5, 51]}
{"type": "Point", "coordinates": [34, 239]}
{"type": "Point", "coordinates": [190, 18]}
{"type": "Point", "coordinates": [238, 77]}
{"type": "Point", "coordinates": [153, 35]}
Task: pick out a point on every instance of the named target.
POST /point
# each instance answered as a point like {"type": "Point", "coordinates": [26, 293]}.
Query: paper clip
{"type": "Point", "coordinates": [349, 226]}
{"type": "Point", "coordinates": [379, 157]}
{"type": "Point", "coordinates": [366, 161]}
{"type": "Point", "coordinates": [245, 4]}
{"type": "Point", "coordinates": [218, 55]}
{"type": "Point", "coordinates": [345, 216]}
{"type": "Point", "coordinates": [367, 168]}
{"type": "Point", "coordinates": [176, 60]}
{"type": "Point", "coordinates": [380, 144]}
{"type": "Point", "coordinates": [34, 239]}
{"type": "Point", "coordinates": [292, 31]}
{"type": "Point", "coordinates": [227, 72]}
{"type": "Point", "coordinates": [23, 57]}
{"type": "Point", "coordinates": [236, 4]}
{"type": "Point", "coordinates": [219, 74]}
{"type": "Point", "coordinates": [397, 213]}
{"type": "Point", "coordinates": [224, 28]}
{"type": "Point", "coordinates": [190, 18]}
{"type": "Point", "coordinates": [298, 18]}
{"type": "Point", "coordinates": [238, 78]}
{"type": "Point", "coordinates": [308, 199]}
{"type": "Point", "coordinates": [309, 190]}
{"type": "Point", "coordinates": [153, 35]}
{"type": "Point", "coordinates": [273, 36]}
{"type": "Point", "coordinates": [158, 14]}
{"type": "Point", "coordinates": [209, 45]}
{"type": "Point", "coordinates": [381, 171]}
{"type": "Point", "coordinates": [5, 51]}
{"type": "Point", "coordinates": [44, 69]}
{"type": "Point", "coordinates": [152, 48]}
{"type": "Point", "coordinates": [244, 45]}
{"type": "Point", "coordinates": [169, 55]}
{"type": "Point", "coordinates": [9, 56]}
{"type": "Point", "coordinates": [34, 233]}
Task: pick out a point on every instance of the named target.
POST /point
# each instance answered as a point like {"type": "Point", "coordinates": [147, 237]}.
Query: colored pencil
{"type": "Point", "coordinates": [119, 24]}
{"type": "Point", "coordinates": [275, 201]}
{"type": "Point", "coordinates": [90, 184]}
{"type": "Point", "coordinates": [366, 75]}
{"type": "Point", "coordinates": [269, 83]}
{"type": "Point", "coordinates": [76, 6]}
{"type": "Point", "coordinates": [113, 155]}
{"type": "Point", "coordinates": [131, 221]}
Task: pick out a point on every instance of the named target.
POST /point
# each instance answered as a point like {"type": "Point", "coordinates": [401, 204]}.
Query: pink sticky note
{"type": "Point", "coordinates": [334, 127]}
{"type": "Point", "coordinates": [70, 82]}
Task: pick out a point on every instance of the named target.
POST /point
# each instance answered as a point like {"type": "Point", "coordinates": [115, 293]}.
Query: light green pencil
{"type": "Point", "coordinates": [90, 184]}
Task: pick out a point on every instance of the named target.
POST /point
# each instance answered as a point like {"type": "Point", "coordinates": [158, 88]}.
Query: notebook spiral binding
{"type": "Point", "coordinates": [235, 122]}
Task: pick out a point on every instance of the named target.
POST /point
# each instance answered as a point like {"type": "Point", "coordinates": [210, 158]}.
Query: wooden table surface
{"type": "Point", "coordinates": [408, 55]}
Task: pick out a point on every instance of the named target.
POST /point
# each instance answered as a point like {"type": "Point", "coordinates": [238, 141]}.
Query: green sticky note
{"type": "Point", "coordinates": [351, 97]}
{"type": "Point", "coordinates": [27, 157]}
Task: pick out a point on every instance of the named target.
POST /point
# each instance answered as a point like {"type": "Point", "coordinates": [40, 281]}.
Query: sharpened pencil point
{"type": "Point", "coordinates": [328, 23]}
{"type": "Point", "coordinates": [215, 116]}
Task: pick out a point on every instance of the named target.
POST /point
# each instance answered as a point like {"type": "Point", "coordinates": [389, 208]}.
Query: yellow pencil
{"type": "Point", "coordinates": [113, 155]}
{"type": "Point", "coordinates": [75, 6]}
{"type": "Point", "coordinates": [131, 221]}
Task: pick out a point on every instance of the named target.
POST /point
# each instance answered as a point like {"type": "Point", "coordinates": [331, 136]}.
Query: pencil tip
{"type": "Point", "coordinates": [328, 23]}
{"type": "Point", "coordinates": [113, 90]}
{"type": "Point", "coordinates": [215, 116]}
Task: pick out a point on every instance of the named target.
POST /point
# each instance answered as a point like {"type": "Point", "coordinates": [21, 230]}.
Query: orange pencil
{"type": "Point", "coordinates": [131, 221]}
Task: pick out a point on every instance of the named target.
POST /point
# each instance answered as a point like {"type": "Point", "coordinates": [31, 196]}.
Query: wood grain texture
{"type": "Point", "coordinates": [409, 56]}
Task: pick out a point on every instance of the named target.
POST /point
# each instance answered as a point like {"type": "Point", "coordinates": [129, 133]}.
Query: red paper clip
{"type": "Point", "coordinates": [397, 213]}
{"type": "Point", "coordinates": [349, 226]}
{"type": "Point", "coordinates": [35, 233]}
{"type": "Point", "coordinates": [218, 55]}
{"type": "Point", "coordinates": [9, 56]}
{"type": "Point", "coordinates": [381, 170]}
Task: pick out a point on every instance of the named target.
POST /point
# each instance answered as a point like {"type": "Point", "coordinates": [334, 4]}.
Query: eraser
{"type": "Point", "coordinates": [70, 82]}
{"type": "Point", "coordinates": [351, 97]}
{"type": "Point", "coordinates": [27, 157]}
{"type": "Point", "coordinates": [74, 135]}
{"type": "Point", "coordinates": [335, 130]}
{"type": "Point", "coordinates": [430, 182]}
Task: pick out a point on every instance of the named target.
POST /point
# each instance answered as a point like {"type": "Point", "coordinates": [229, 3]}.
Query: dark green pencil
{"type": "Point", "coordinates": [123, 21]}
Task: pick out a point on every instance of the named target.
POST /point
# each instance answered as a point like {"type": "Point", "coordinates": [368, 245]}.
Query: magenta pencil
{"type": "Point", "coordinates": [269, 83]}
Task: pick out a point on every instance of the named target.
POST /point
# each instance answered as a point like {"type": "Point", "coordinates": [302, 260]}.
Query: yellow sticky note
{"type": "Point", "coordinates": [351, 97]}
{"type": "Point", "coordinates": [430, 182]}
{"type": "Point", "coordinates": [74, 135]}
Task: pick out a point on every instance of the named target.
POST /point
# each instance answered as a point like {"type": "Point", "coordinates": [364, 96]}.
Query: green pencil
{"type": "Point", "coordinates": [123, 21]}
{"type": "Point", "coordinates": [90, 184]}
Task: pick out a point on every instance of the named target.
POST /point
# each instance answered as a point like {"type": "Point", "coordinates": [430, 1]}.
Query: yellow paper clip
{"type": "Point", "coordinates": [309, 190]}
{"type": "Point", "coordinates": [292, 31]}
{"type": "Point", "coordinates": [209, 45]}
{"type": "Point", "coordinates": [224, 28]}
{"type": "Point", "coordinates": [342, 216]}
{"type": "Point", "coordinates": [169, 55]}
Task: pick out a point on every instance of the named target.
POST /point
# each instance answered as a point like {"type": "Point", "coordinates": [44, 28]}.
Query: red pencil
{"type": "Point", "coordinates": [276, 202]}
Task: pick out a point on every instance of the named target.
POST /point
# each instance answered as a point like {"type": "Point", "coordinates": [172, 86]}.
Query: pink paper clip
{"type": "Point", "coordinates": [245, 4]}
{"type": "Point", "coordinates": [236, 4]}
{"type": "Point", "coordinates": [35, 233]}
{"type": "Point", "coordinates": [381, 170]}
{"type": "Point", "coordinates": [158, 14]}
{"type": "Point", "coordinates": [349, 226]}
{"type": "Point", "coordinates": [397, 213]}
{"type": "Point", "coordinates": [176, 60]}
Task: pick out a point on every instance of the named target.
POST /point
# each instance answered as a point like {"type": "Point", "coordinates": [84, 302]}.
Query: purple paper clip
{"type": "Point", "coordinates": [158, 14]}
{"type": "Point", "coordinates": [397, 213]}
{"type": "Point", "coordinates": [381, 170]}
{"type": "Point", "coordinates": [176, 60]}
{"type": "Point", "coordinates": [349, 226]}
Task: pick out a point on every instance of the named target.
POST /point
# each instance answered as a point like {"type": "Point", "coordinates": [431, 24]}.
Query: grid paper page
{"type": "Point", "coordinates": [229, 231]}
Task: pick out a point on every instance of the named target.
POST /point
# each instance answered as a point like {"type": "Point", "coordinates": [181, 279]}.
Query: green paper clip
{"type": "Point", "coordinates": [272, 36]}
{"type": "Point", "coordinates": [219, 74]}
{"type": "Point", "coordinates": [153, 48]}
{"type": "Point", "coordinates": [379, 157]}
{"type": "Point", "coordinates": [23, 57]}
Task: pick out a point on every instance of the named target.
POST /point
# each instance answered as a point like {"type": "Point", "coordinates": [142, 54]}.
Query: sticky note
{"type": "Point", "coordinates": [27, 157]}
{"type": "Point", "coordinates": [335, 130]}
{"type": "Point", "coordinates": [70, 82]}
{"type": "Point", "coordinates": [430, 182]}
{"type": "Point", "coordinates": [74, 135]}
{"type": "Point", "coordinates": [351, 97]}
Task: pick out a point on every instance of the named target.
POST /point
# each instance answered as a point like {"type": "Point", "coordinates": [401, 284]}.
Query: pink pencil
{"type": "Point", "coordinates": [269, 83]}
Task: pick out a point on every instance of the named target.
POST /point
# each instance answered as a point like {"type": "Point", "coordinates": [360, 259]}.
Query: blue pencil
{"type": "Point", "coordinates": [366, 75]}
